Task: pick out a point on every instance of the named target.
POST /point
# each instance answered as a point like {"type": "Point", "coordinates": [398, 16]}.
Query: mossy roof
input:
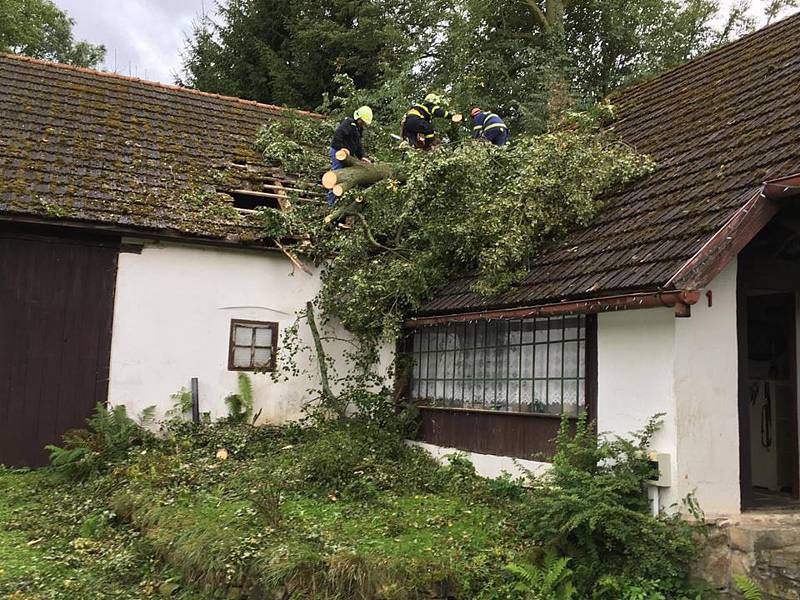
{"type": "Point", "coordinates": [718, 127]}
{"type": "Point", "coordinates": [111, 151]}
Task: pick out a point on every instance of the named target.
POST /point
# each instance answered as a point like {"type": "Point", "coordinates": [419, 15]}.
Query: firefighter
{"type": "Point", "coordinates": [418, 130]}
{"type": "Point", "coordinates": [488, 126]}
{"type": "Point", "coordinates": [348, 136]}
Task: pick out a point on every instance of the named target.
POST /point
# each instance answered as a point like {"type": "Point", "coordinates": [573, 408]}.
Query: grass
{"type": "Point", "coordinates": [317, 516]}
{"type": "Point", "coordinates": [45, 556]}
{"type": "Point", "coordinates": [389, 523]}
{"type": "Point", "coordinates": [332, 512]}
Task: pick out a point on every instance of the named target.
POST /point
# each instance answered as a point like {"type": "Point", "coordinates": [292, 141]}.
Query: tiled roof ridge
{"type": "Point", "coordinates": [699, 61]}
{"type": "Point", "coordinates": [151, 84]}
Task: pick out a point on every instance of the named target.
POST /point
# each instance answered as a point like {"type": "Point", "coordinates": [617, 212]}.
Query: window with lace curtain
{"type": "Point", "coordinates": [534, 366]}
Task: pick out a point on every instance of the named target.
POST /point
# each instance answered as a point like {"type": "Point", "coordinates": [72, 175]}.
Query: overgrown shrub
{"type": "Point", "coordinates": [592, 506]}
{"type": "Point", "coordinates": [107, 440]}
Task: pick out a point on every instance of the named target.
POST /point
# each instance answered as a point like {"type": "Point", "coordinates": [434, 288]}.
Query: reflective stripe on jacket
{"type": "Point", "coordinates": [483, 122]}
{"type": "Point", "coordinates": [427, 112]}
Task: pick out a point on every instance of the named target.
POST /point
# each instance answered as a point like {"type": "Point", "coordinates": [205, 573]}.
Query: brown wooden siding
{"type": "Point", "coordinates": [517, 435]}
{"type": "Point", "coordinates": [502, 434]}
{"type": "Point", "coordinates": [56, 309]}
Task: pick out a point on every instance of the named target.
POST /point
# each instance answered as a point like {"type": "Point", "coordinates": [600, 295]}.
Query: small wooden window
{"type": "Point", "coordinates": [252, 346]}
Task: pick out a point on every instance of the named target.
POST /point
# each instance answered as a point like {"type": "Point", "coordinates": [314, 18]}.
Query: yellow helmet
{"type": "Point", "coordinates": [434, 99]}
{"type": "Point", "coordinates": [365, 114]}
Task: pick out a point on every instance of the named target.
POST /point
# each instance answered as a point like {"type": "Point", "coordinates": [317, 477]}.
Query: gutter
{"type": "Point", "coordinates": [680, 300]}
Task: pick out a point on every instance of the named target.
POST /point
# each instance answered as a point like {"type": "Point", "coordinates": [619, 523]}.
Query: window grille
{"type": "Point", "coordinates": [535, 365]}
{"type": "Point", "coordinates": [252, 346]}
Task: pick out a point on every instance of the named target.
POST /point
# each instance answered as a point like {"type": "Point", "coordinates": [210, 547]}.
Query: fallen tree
{"type": "Point", "coordinates": [358, 173]}
{"type": "Point", "coordinates": [421, 219]}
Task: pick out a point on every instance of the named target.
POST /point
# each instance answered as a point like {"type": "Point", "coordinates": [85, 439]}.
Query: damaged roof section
{"type": "Point", "coordinates": [718, 127]}
{"type": "Point", "coordinates": [96, 148]}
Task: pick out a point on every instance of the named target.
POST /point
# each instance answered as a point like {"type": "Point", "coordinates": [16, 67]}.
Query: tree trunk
{"type": "Point", "coordinates": [361, 175]}
{"type": "Point", "coordinates": [327, 394]}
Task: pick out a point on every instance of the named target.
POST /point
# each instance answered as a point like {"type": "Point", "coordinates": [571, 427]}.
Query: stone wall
{"type": "Point", "coordinates": [762, 546]}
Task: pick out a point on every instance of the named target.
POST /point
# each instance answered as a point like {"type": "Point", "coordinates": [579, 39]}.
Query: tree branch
{"type": "Point", "coordinates": [538, 14]}
{"type": "Point", "coordinates": [322, 359]}
{"type": "Point", "coordinates": [370, 238]}
{"type": "Point", "coordinates": [295, 261]}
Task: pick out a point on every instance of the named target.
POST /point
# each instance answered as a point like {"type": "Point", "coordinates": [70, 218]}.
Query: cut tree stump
{"type": "Point", "coordinates": [360, 175]}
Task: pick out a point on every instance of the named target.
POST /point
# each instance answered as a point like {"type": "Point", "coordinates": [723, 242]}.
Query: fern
{"type": "Point", "coordinates": [70, 461]}
{"type": "Point", "coordinates": [551, 581]}
{"type": "Point", "coordinates": [109, 436]}
{"type": "Point", "coordinates": [147, 416]}
{"type": "Point", "coordinates": [747, 587]}
{"type": "Point", "coordinates": [181, 404]}
{"type": "Point", "coordinates": [246, 391]}
{"type": "Point", "coordinates": [240, 405]}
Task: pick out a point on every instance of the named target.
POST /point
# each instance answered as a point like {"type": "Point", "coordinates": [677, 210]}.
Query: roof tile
{"type": "Point", "coordinates": [95, 147]}
{"type": "Point", "coordinates": [718, 127]}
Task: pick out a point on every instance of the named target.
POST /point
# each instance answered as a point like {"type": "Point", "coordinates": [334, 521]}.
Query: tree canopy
{"type": "Point", "coordinates": [288, 52]}
{"type": "Point", "coordinates": [38, 28]}
{"type": "Point", "coordinates": [515, 57]}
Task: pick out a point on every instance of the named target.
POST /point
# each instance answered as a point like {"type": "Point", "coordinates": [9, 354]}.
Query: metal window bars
{"type": "Point", "coordinates": [532, 365]}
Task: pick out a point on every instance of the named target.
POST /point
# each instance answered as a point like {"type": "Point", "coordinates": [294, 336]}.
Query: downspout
{"type": "Point", "coordinates": [680, 300]}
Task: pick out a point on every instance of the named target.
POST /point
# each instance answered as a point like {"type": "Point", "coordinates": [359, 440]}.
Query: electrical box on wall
{"type": "Point", "coordinates": [661, 468]}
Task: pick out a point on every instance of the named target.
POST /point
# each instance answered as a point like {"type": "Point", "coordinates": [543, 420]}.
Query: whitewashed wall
{"type": "Point", "coordinates": [650, 362]}
{"type": "Point", "coordinates": [706, 388]}
{"type": "Point", "coordinates": [173, 308]}
{"type": "Point", "coordinates": [635, 371]}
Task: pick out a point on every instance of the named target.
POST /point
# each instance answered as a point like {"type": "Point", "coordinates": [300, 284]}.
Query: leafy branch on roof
{"type": "Point", "coordinates": [467, 207]}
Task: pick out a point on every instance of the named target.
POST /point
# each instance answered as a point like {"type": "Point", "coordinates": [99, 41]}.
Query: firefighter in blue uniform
{"type": "Point", "coordinates": [417, 128]}
{"type": "Point", "coordinates": [348, 136]}
{"type": "Point", "coordinates": [488, 126]}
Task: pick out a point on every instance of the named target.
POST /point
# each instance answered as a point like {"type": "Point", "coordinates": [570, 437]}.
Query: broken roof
{"type": "Point", "coordinates": [718, 127]}
{"type": "Point", "coordinates": [116, 152]}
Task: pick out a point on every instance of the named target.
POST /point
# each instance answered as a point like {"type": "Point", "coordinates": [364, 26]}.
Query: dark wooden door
{"type": "Point", "coordinates": [56, 308]}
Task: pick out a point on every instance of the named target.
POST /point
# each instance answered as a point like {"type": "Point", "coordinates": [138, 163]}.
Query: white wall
{"type": "Point", "coordinates": [635, 370]}
{"type": "Point", "coordinates": [488, 465]}
{"type": "Point", "coordinates": [651, 362]}
{"type": "Point", "coordinates": [706, 387]}
{"type": "Point", "coordinates": [173, 308]}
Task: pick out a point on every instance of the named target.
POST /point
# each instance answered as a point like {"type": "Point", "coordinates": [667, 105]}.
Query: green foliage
{"type": "Point", "coordinates": [181, 404]}
{"type": "Point", "coordinates": [147, 416]}
{"type": "Point", "coordinates": [51, 550]}
{"type": "Point", "coordinates": [342, 510]}
{"type": "Point", "coordinates": [467, 207]}
{"type": "Point", "coordinates": [747, 587]}
{"type": "Point", "coordinates": [297, 143]}
{"type": "Point", "coordinates": [108, 438]}
{"type": "Point", "coordinates": [288, 53]}
{"type": "Point", "coordinates": [517, 58]}
{"type": "Point", "coordinates": [38, 28]}
{"type": "Point", "coordinates": [592, 506]}
{"type": "Point", "coordinates": [551, 581]}
{"type": "Point", "coordinates": [240, 404]}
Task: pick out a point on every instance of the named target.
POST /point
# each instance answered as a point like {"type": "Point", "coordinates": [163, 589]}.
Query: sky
{"type": "Point", "coordinates": [144, 38]}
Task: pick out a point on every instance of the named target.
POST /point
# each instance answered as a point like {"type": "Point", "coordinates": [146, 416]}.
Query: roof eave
{"type": "Point", "coordinates": [136, 232]}
{"type": "Point", "coordinates": [741, 228]}
{"type": "Point", "coordinates": [680, 300]}
{"type": "Point", "coordinates": [681, 291]}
